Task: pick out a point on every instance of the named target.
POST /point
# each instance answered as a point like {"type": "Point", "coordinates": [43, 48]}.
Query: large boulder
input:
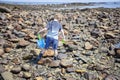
{"type": "Point", "coordinates": [4, 9]}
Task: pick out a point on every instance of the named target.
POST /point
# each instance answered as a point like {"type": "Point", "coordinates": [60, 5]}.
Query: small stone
{"type": "Point", "coordinates": [1, 52]}
{"type": "Point", "coordinates": [118, 53]}
{"type": "Point", "coordinates": [66, 63]}
{"type": "Point", "coordinates": [26, 67]}
{"type": "Point", "coordinates": [27, 57]}
{"type": "Point", "coordinates": [63, 70]}
{"type": "Point", "coordinates": [62, 56]}
{"type": "Point", "coordinates": [70, 70]}
{"type": "Point", "coordinates": [39, 78]}
{"type": "Point", "coordinates": [16, 70]}
{"type": "Point", "coordinates": [88, 46]}
{"type": "Point", "coordinates": [109, 35]}
{"type": "Point", "coordinates": [110, 77]}
{"type": "Point", "coordinates": [55, 63]}
{"type": "Point", "coordinates": [27, 75]}
{"type": "Point", "coordinates": [2, 69]}
{"type": "Point", "coordinates": [23, 43]}
{"type": "Point", "coordinates": [7, 75]}
{"type": "Point", "coordinates": [80, 71]}
{"type": "Point", "coordinates": [7, 50]}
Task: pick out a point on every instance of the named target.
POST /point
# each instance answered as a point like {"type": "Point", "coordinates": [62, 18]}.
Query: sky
{"type": "Point", "coordinates": [62, 0]}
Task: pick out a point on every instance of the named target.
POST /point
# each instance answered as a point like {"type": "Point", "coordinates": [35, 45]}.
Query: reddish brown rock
{"type": "Point", "coordinates": [23, 43]}
{"type": "Point", "coordinates": [55, 63]}
{"type": "Point", "coordinates": [7, 50]}
{"type": "Point", "coordinates": [48, 53]}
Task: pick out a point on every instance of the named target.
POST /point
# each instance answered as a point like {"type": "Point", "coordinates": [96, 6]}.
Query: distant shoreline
{"type": "Point", "coordinates": [63, 6]}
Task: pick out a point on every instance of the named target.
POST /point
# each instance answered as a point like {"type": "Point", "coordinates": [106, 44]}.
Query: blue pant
{"type": "Point", "coordinates": [51, 42]}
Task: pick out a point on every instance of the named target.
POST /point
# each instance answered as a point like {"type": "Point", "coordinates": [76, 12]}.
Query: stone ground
{"type": "Point", "coordinates": [87, 54]}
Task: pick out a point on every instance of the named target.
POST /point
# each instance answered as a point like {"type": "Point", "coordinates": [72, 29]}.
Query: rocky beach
{"type": "Point", "coordinates": [89, 52]}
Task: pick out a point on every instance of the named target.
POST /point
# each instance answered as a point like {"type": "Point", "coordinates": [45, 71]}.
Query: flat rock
{"type": "Point", "coordinates": [27, 75]}
{"type": "Point", "coordinates": [66, 63]}
{"type": "Point", "coordinates": [16, 70]}
{"type": "Point", "coordinates": [109, 35]}
{"type": "Point", "coordinates": [4, 9]}
{"type": "Point", "coordinates": [23, 43]}
{"type": "Point", "coordinates": [7, 75]}
{"type": "Point", "coordinates": [39, 78]}
{"type": "Point", "coordinates": [48, 53]}
{"type": "Point", "coordinates": [26, 67]}
{"type": "Point", "coordinates": [55, 63]}
{"type": "Point", "coordinates": [7, 50]}
{"type": "Point", "coordinates": [2, 69]}
{"type": "Point", "coordinates": [62, 56]}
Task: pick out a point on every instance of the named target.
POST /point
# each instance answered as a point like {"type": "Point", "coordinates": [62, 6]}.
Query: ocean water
{"type": "Point", "coordinates": [104, 5]}
{"type": "Point", "coordinates": [96, 5]}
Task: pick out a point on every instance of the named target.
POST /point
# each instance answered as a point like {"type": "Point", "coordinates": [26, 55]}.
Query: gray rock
{"type": "Point", "coordinates": [83, 58]}
{"type": "Point", "coordinates": [2, 69]}
{"type": "Point", "coordinates": [62, 56]}
{"type": "Point", "coordinates": [26, 67]}
{"type": "Point", "coordinates": [55, 63]}
{"type": "Point", "coordinates": [4, 9]}
{"type": "Point", "coordinates": [111, 77]}
{"type": "Point", "coordinates": [27, 75]}
{"type": "Point", "coordinates": [70, 69]}
{"type": "Point", "coordinates": [16, 70]}
{"type": "Point", "coordinates": [7, 76]}
{"type": "Point", "coordinates": [66, 63]}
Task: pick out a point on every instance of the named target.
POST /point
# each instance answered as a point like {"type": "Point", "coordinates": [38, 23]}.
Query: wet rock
{"type": "Point", "coordinates": [26, 67]}
{"type": "Point", "coordinates": [7, 76]}
{"type": "Point", "coordinates": [66, 63]}
{"type": "Point", "coordinates": [16, 70]}
{"type": "Point", "coordinates": [55, 63]}
{"type": "Point", "coordinates": [27, 75]}
{"type": "Point", "coordinates": [4, 9]}
{"type": "Point", "coordinates": [88, 46]}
